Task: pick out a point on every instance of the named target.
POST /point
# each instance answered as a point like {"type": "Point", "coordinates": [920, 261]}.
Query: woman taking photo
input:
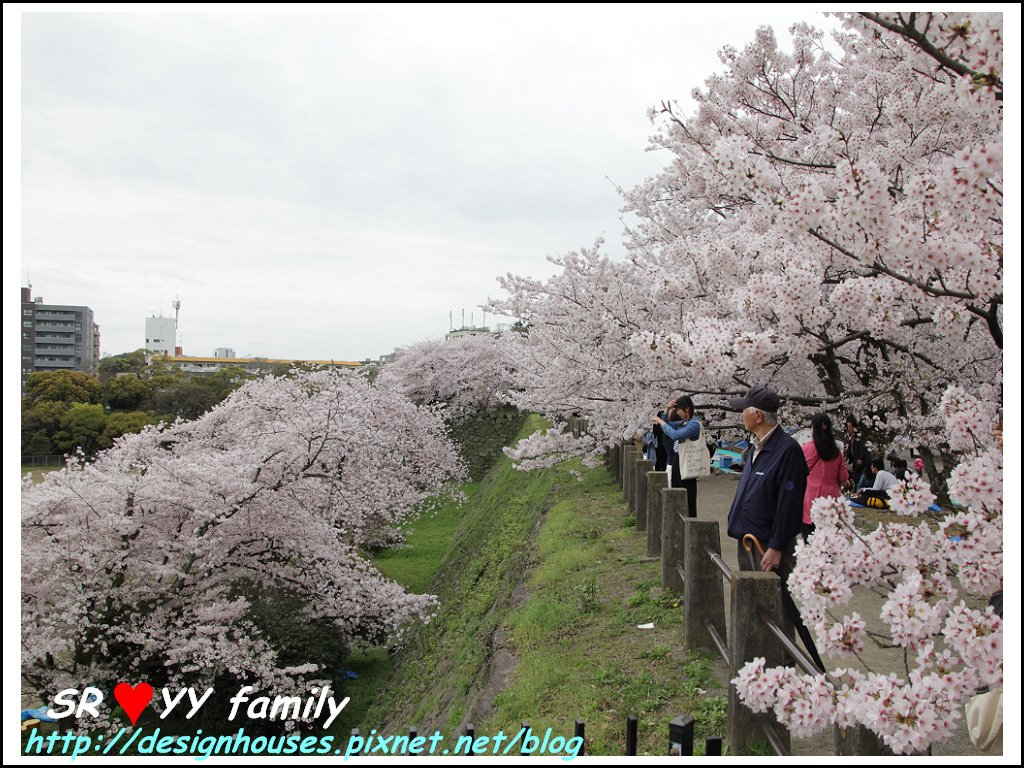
{"type": "Point", "coordinates": [683, 424]}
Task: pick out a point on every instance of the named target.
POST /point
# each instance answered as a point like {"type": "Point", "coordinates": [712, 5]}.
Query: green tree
{"type": "Point", "coordinates": [227, 380]}
{"type": "Point", "coordinates": [188, 398]}
{"type": "Point", "coordinates": [39, 423]}
{"type": "Point", "coordinates": [128, 362]}
{"type": "Point", "coordinates": [126, 393]}
{"type": "Point", "coordinates": [126, 423]}
{"type": "Point", "coordinates": [62, 387]}
{"type": "Point", "coordinates": [82, 427]}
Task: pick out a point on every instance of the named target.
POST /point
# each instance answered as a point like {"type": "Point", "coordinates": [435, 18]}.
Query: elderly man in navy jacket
{"type": "Point", "coordinates": [770, 497]}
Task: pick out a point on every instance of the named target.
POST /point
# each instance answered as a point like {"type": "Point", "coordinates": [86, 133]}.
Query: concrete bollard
{"type": "Point", "coordinates": [656, 481]}
{"type": "Point", "coordinates": [703, 590]}
{"type": "Point", "coordinates": [673, 509]}
{"type": "Point", "coordinates": [861, 741]}
{"type": "Point", "coordinates": [629, 456]}
{"type": "Point", "coordinates": [749, 639]}
{"type": "Point", "coordinates": [655, 513]}
{"type": "Point", "coordinates": [643, 466]}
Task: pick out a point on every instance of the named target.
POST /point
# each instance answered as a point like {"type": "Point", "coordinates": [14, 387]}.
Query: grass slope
{"type": "Point", "coordinates": [581, 652]}
{"type": "Point", "coordinates": [544, 565]}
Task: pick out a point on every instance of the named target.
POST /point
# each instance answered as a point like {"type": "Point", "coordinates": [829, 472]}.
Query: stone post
{"type": "Point", "coordinates": [643, 466]}
{"type": "Point", "coordinates": [655, 482]}
{"type": "Point", "coordinates": [749, 639]}
{"type": "Point", "coordinates": [673, 509]}
{"type": "Point", "coordinates": [629, 456]}
{"type": "Point", "coordinates": [860, 741]}
{"type": "Point", "coordinates": [703, 590]}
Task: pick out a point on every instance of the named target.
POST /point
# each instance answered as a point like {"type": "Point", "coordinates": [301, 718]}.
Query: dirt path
{"type": "Point", "coordinates": [713, 499]}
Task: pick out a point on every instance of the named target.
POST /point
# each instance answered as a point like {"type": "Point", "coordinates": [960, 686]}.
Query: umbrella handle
{"type": "Point", "coordinates": [749, 542]}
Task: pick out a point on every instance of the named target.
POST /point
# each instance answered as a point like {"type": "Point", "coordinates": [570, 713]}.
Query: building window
{"type": "Point", "coordinates": [27, 312]}
{"type": "Point", "coordinates": [27, 323]}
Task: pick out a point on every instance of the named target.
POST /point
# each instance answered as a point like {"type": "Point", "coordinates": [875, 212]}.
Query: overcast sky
{"type": "Point", "coordinates": [332, 185]}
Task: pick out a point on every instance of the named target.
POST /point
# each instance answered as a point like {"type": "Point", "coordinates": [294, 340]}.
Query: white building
{"type": "Point", "coordinates": [160, 335]}
{"type": "Point", "coordinates": [459, 333]}
{"type": "Point", "coordinates": [224, 352]}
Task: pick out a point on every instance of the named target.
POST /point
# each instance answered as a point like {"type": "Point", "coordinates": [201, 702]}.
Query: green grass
{"type": "Point", "coordinates": [38, 474]}
{"type": "Point", "coordinates": [572, 625]}
{"type": "Point", "coordinates": [587, 658]}
{"type": "Point", "coordinates": [415, 564]}
{"type": "Point", "coordinates": [446, 661]}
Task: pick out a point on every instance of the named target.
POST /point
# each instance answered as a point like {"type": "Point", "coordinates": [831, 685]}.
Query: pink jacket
{"type": "Point", "coordinates": [824, 477]}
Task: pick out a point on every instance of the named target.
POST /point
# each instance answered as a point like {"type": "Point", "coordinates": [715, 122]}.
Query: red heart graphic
{"type": "Point", "coordinates": [133, 699]}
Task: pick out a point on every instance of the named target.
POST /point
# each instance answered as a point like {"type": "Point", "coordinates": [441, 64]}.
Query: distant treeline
{"type": "Point", "coordinates": [62, 411]}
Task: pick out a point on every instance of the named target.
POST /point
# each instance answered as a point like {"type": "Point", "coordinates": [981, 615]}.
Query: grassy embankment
{"type": "Point", "coordinates": [583, 587]}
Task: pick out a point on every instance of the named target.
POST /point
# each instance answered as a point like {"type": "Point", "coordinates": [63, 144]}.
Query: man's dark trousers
{"type": "Point", "coordinates": [791, 613]}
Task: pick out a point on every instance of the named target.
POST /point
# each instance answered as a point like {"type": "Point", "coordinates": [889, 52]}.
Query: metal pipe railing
{"type": "Point", "coordinates": [719, 641]}
{"type": "Point", "coordinates": [792, 648]}
{"type": "Point", "coordinates": [773, 738]}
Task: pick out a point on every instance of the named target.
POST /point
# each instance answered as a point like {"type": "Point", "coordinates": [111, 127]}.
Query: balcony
{"type": "Point", "coordinates": [57, 363]}
{"type": "Point", "coordinates": [69, 317]}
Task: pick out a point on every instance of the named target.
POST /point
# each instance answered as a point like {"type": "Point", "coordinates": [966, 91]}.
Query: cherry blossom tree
{"type": "Point", "coordinates": [578, 356]}
{"type": "Point", "coordinates": [148, 563]}
{"type": "Point", "coordinates": [829, 222]}
{"type": "Point", "coordinates": [458, 375]}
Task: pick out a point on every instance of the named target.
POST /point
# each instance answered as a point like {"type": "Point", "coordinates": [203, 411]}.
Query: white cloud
{"type": "Point", "coordinates": [331, 185]}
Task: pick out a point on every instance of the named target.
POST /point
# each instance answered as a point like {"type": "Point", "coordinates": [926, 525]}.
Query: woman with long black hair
{"type": "Point", "coordinates": [826, 467]}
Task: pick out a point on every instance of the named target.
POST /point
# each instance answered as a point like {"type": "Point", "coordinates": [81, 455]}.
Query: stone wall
{"type": "Point", "coordinates": [481, 436]}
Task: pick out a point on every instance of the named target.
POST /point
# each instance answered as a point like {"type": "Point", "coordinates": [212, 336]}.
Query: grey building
{"type": "Point", "coordinates": [57, 337]}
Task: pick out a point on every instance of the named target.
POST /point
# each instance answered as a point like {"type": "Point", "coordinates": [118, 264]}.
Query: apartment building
{"type": "Point", "coordinates": [57, 337]}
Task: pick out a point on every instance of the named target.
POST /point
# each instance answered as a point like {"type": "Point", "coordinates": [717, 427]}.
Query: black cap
{"type": "Point", "coordinates": [758, 397]}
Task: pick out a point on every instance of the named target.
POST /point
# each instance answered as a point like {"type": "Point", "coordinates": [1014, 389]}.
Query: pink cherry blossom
{"type": "Point", "coordinates": [829, 224]}
{"type": "Point", "coordinates": [145, 563]}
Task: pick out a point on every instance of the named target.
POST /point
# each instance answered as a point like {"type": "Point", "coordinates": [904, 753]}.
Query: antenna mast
{"type": "Point", "coordinates": [177, 307]}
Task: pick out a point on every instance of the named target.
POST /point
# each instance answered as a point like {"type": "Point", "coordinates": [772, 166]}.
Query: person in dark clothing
{"type": "Point", "coordinates": [900, 470]}
{"type": "Point", "coordinates": [769, 500]}
{"type": "Point", "coordinates": [857, 454]}
{"type": "Point", "coordinates": [663, 445]}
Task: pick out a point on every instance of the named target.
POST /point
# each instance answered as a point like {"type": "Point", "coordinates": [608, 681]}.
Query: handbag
{"type": "Point", "coordinates": [693, 457]}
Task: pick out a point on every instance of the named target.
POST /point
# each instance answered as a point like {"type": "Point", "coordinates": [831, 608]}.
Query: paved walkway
{"type": "Point", "coordinates": [714, 497]}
